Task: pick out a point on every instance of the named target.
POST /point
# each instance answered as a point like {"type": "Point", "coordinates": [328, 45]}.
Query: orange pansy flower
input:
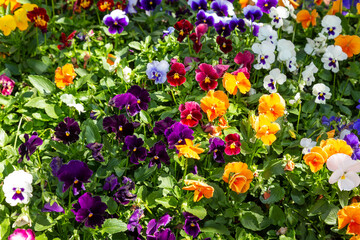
{"type": "Point", "coordinates": [243, 3]}
{"type": "Point", "coordinates": [292, 2]}
{"type": "Point", "coordinates": [349, 44]}
{"type": "Point", "coordinates": [265, 129]}
{"type": "Point", "coordinates": [64, 76]}
{"type": "Point", "coordinates": [358, 8]}
{"type": "Point", "coordinates": [111, 59]}
{"type": "Point", "coordinates": [201, 189]}
{"type": "Point", "coordinates": [305, 18]}
{"type": "Point", "coordinates": [232, 83]}
{"type": "Point", "coordinates": [189, 150]}
{"type": "Point", "coordinates": [214, 104]}
{"type": "Point", "coordinates": [223, 124]}
{"type": "Point", "coordinates": [350, 215]}
{"type": "Point", "coordinates": [273, 106]}
{"type": "Point", "coordinates": [238, 176]}
{"type": "Point", "coordinates": [332, 146]}
{"type": "Point", "coordinates": [336, 7]}
{"type": "Point", "coordinates": [290, 165]}
{"type": "Point", "coordinates": [318, 2]}
{"type": "Point", "coordinates": [316, 158]}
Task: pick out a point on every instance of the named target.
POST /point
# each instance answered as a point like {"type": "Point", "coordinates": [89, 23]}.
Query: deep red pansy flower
{"type": "Point", "coordinates": [244, 59]}
{"type": "Point", "coordinates": [66, 40]}
{"type": "Point", "coordinates": [200, 30]}
{"type": "Point", "coordinates": [190, 114]}
{"type": "Point", "coordinates": [233, 144]}
{"type": "Point", "coordinates": [185, 27]}
{"type": "Point", "coordinates": [206, 75]}
{"type": "Point", "coordinates": [225, 44]}
{"type": "Point", "coordinates": [104, 5]}
{"type": "Point", "coordinates": [176, 75]}
{"type": "Point", "coordinates": [39, 17]}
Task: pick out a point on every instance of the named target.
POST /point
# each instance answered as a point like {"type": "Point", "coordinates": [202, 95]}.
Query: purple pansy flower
{"type": "Point", "coordinates": [93, 115]}
{"type": "Point", "coordinates": [222, 7]}
{"type": "Point", "coordinates": [191, 225]}
{"type": "Point", "coordinates": [89, 210]}
{"type": "Point", "coordinates": [75, 173]}
{"type": "Point", "coordinates": [197, 5]}
{"type": "Point", "coordinates": [217, 148]}
{"type": "Point", "coordinates": [327, 121]}
{"type": "Point", "coordinates": [67, 131]}
{"type": "Point", "coordinates": [116, 21]}
{"type": "Point", "coordinates": [162, 125]}
{"type": "Point", "coordinates": [149, 4]}
{"type": "Point", "coordinates": [237, 23]}
{"type": "Point", "coordinates": [158, 155]}
{"type": "Point", "coordinates": [95, 149]}
{"type": "Point", "coordinates": [55, 165]}
{"type": "Point", "coordinates": [52, 208]}
{"type": "Point", "coordinates": [29, 146]}
{"type": "Point", "coordinates": [142, 96]}
{"type": "Point", "coordinates": [123, 195]}
{"type": "Point", "coordinates": [353, 141]}
{"type": "Point", "coordinates": [177, 133]}
{"type": "Point", "coordinates": [111, 183]}
{"type": "Point", "coordinates": [153, 226]}
{"type": "Point", "coordinates": [358, 106]}
{"type": "Point", "coordinates": [223, 28]}
{"type": "Point", "coordinates": [266, 5]}
{"type": "Point", "coordinates": [252, 13]}
{"type": "Point", "coordinates": [164, 234]}
{"type": "Point", "coordinates": [195, 170]}
{"type": "Point", "coordinates": [119, 125]}
{"type": "Point", "coordinates": [202, 17]}
{"type": "Point", "coordinates": [356, 126]}
{"type": "Point", "coordinates": [136, 151]}
{"type": "Point", "coordinates": [133, 224]}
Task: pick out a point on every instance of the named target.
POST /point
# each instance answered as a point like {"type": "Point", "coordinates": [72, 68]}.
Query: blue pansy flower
{"type": "Point", "coordinates": [157, 71]}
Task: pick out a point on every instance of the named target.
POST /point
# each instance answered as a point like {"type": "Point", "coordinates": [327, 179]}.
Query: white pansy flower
{"type": "Point", "coordinates": [290, 7]}
{"type": "Point", "coordinates": [274, 77]}
{"type": "Point", "coordinates": [17, 187]}
{"type": "Point", "coordinates": [332, 56]}
{"type": "Point", "coordinates": [267, 33]}
{"type": "Point", "coordinates": [70, 100]}
{"type": "Point", "coordinates": [308, 74]}
{"type": "Point", "coordinates": [286, 50]}
{"type": "Point", "coordinates": [316, 46]}
{"type": "Point", "coordinates": [131, 6]}
{"type": "Point", "coordinates": [252, 91]}
{"type": "Point", "coordinates": [345, 171]}
{"type": "Point", "coordinates": [288, 27]}
{"type": "Point", "coordinates": [331, 26]}
{"type": "Point", "coordinates": [343, 133]}
{"type": "Point", "coordinates": [126, 74]}
{"type": "Point", "coordinates": [291, 64]}
{"type": "Point", "coordinates": [296, 100]}
{"type": "Point", "coordinates": [265, 54]}
{"type": "Point", "coordinates": [278, 15]}
{"type": "Point", "coordinates": [321, 92]}
{"type": "Point", "coordinates": [307, 144]}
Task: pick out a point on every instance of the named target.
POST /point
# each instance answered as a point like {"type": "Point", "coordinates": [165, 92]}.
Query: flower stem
{"type": "Point", "coordinates": [172, 94]}
{"type": "Point", "coordinates": [357, 27]}
{"type": "Point", "coordinates": [17, 131]}
{"type": "Point", "coordinates": [189, 45]}
{"type": "Point", "coordinates": [185, 168]}
{"type": "Point", "coordinates": [297, 125]}
{"type": "Point", "coordinates": [334, 84]}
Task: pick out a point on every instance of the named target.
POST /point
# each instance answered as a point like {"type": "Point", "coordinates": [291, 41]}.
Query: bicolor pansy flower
{"type": "Point", "coordinates": [265, 54]}
{"type": "Point", "coordinates": [17, 187]}
{"type": "Point", "coordinates": [321, 92]}
{"type": "Point", "coordinates": [274, 77]}
{"type": "Point", "coordinates": [331, 26]}
{"type": "Point", "coordinates": [331, 58]}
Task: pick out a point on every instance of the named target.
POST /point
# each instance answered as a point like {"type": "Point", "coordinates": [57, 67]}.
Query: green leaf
{"type": "Point", "coordinates": [254, 221]}
{"type": "Point", "coordinates": [144, 172]}
{"type": "Point", "coordinates": [135, 45]}
{"type": "Point", "coordinates": [319, 207]}
{"type": "Point", "coordinates": [3, 138]}
{"type": "Point", "coordinates": [198, 211]}
{"type": "Point", "coordinates": [113, 225]}
{"type": "Point", "coordinates": [51, 111]}
{"type": "Point", "coordinates": [91, 131]}
{"type": "Point", "coordinates": [297, 196]}
{"type": "Point", "coordinates": [276, 215]}
{"type": "Point", "coordinates": [276, 194]}
{"type": "Point", "coordinates": [5, 228]}
{"type": "Point", "coordinates": [167, 182]}
{"type": "Point", "coordinates": [38, 66]}
{"type": "Point", "coordinates": [167, 202]}
{"type": "Point", "coordinates": [214, 227]}
{"type": "Point", "coordinates": [42, 84]}
{"type": "Point", "coordinates": [42, 237]}
{"type": "Point", "coordinates": [42, 223]}
{"type": "Point", "coordinates": [309, 107]}
{"type": "Point", "coordinates": [330, 215]}
{"type": "Point", "coordinates": [343, 198]}
{"type": "Point", "coordinates": [37, 102]}
{"type": "Point", "coordinates": [145, 117]}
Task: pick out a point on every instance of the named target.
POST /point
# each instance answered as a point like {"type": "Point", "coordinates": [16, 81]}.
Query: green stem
{"type": "Point", "coordinates": [53, 7]}
{"type": "Point", "coordinates": [17, 131]}
{"type": "Point", "coordinates": [342, 93]}
{"type": "Point", "coordinates": [172, 94]}
{"type": "Point", "coordinates": [185, 168]}
{"type": "Point", "coordinates": [334, 85]}
{"type": "Point", "coordinates": [189, 45]}
{"type": "Point", "coordinates": [298, 120]}
{"type": "Point", "coordinates": [357, 27]}
{"type": "Point", "coordinates": [98, 17]}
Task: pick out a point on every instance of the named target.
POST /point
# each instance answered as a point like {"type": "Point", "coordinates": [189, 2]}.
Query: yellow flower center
{"type": "Point", "coordinates": [331, 29]}
{"type": "Point", "coordinates": [266, 4]}
{"type": "Point", "coordinates": [150, 3]}
{"type": "Point", "coordinates": [277, 18]}
{"type": "Point", "coordinates": [179, 141]}
{"type": "Point", "coordinates": [215, 150]}
{"type": "Point", "coordinates": [90, 215]}
{"type": "Point", "coordinates": [176, 76]}
{"type": "Point", "coordinates": [156, 157]}
{"type": "Point", "coordinates": [188, 117]}
{"type": "Point", "coordinates": [192, 224]}
{"type": "Point", "coordinates": [138, 101]}
{"type": "Point", "coordinates": [181, 32]}
{"type": "Point", "coordinates": [199, 7]}
{"type": "Point", "coordinates": [18, 191]}
{"type": "Point", "coordinates": [204, 21]}
{"type": "Point", "coordinates": [134, 149]}
{"type": "Point", "coordinates": [115, 23]}
{"type": "Point", "coordinates": [224, 45]}
{"type": "Point", "coordinates": [343, 177]}
{"type": "Point", "coordinates": [76, 181]}
{"type": "Point", "coordinates": [262, 58]}
{"type": "Point", "coordinates": [333, 61]}
{"type": "Point", "coordinates": [207, 80]}
{"type": "Point", "coordinates": [223, 28]}
{"type": "Point", "coordinates": [321, 94]}
{"type": "Point", "coordinates": [67, 133]}
{"type": "Point", "coordinates": [271, 109]}
{"type": "Point", "coordinates": [120, 129]}
{"type": "Point", "coordinates": [232, 146]}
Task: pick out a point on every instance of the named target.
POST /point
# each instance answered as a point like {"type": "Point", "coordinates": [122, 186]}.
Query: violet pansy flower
{"type": "Point", "coordinates": [55, 165]}
{"type": "Point", "coordinates": [153, 227]}
{"type": "Point", "coordinates": [252, 13]}
{"type": "Point", "coordinates": [75, 173]}
{"type": "Point", "coordinates": [119, 125]}
{"type": "Point", "coordinates": [133, 145]}
{"type": "Point", "coordinates": [67, 131]}
{"type": "Point", "coordinates": [197, 5]}
{"type": "Point", "coordinates": [266, 5]}
{"type": "Point", "coordinates": [177, 134]}
{"type": "Point", "coordinates": [203, 17]}
{"type": "Point", "coordinates": [217, 148]}
{"type": "Point", "coordinates": [89, 210]}
{"type": "Point", "coordinates": [111, 183]}
{"type": "Point", "coordinates": [223, 28]}
{"type": "Point", "coordinates": [222, 7]}
{"type": "Point", "coordinates": [123, 195]}
{"type": "Point", "coordinates": [133, 224]}
{"type": "Point", "coordinates": [29, 146]}
{"type": "Point", "coordinates": [52, 208]}
{"type": "Point", "coordinates": [95, 151]}
{"type": "Point", "coordinates": [158, 155]}
{"type": "Point", "coordinates": [191, 226]}
{"type": "Point", "coordinates": [149, 4]}
{"type": "Point", "coordinates": [116, 21]}
{"type": "Point", "coordinates": [162, 125]}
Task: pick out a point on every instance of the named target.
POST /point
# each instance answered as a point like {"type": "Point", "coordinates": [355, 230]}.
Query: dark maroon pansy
{"type": "Point", "coordinates": [158, 155]}
{"type": "Point", "coordinates": [224, 44]}
{"type": "Point", "coordinates": [176, 75]}
{"type": "Point", "coordinates": [67, 131]}
{"type": "Point", "coordinates": [29, 146]}
{"type": "Point", "coordinates": [162, 125]}
{"type": "Point", "coordinates": [200, 30]}
{"type": "Point", "coordinates": [75, 173]}
{"type": "Point", "coordinates": [184, 27]}
{"type": "Point", "coordinates": [244, 59]}
{"type": "Point", "coordinates": [136, 151]}
{"type": "Point", "coordinates": [190, 114]}
{"type": "Point", "coordinates": [95, 151]}
{"type": "Point", "coordinates": [233, 144]}
{"type": "Point", "coordinates": [243, 70]}
{"type": "Point", "coordinates": [217, 148]}
{"type": "Point", "coordinates": [66, 40]}
{"type": "Point", "coordinates": [119, 125]}
{"type": "Point", "coordinates": [206, 75]}
{"type": "Point", "coordinates": [89, 210]}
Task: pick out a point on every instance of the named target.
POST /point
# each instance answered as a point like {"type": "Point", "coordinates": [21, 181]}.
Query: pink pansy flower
{"type": "Point", "coordinates": [22, 234]}
{"type": "Point", "coordinates": [200, 30]}
{"type": "Point", "coordinates": [221, 69]}
{"type": "Point", "coordinates": [206, 75]}
{"type": "Point", "coordinates": [344, 170]}
{"type": "Point", "coordinates": [243, 70]}
{"type": "Point", "coordinates": [244, 59]}
{"type": "Point", "coordinates": [6, 85]}
{"type": "Point", "coordinates": [190, 114]}
{"type": "Point", "coordinates": [233, 144]}
{"type": "Point", "coordinates": [188, 61]}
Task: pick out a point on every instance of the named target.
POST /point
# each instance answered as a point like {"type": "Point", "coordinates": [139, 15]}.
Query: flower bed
{"type": "Point", "coordinates": [179, 120]}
